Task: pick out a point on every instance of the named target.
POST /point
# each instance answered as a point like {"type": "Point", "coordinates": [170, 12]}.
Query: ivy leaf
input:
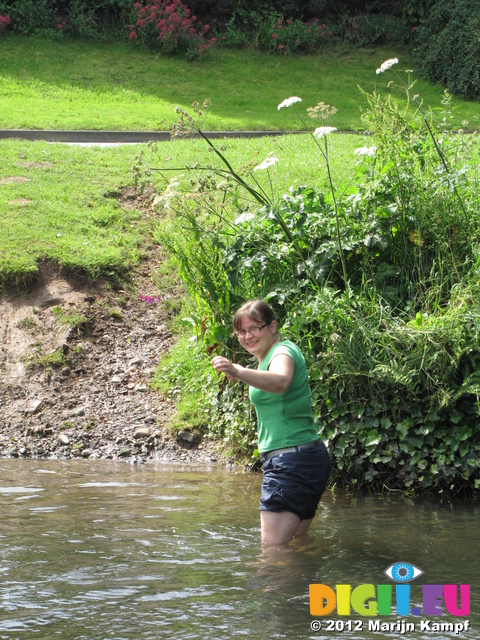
{"type": "Point", "coordinates": [373, 437]}
{"type": "Point", "coordinates": [402, 427]}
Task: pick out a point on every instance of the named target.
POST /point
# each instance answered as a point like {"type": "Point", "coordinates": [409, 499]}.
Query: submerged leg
{"type": "Point", "coordinates": [303, 528]}
{"type": "Point", "coordinates": [278, 527]}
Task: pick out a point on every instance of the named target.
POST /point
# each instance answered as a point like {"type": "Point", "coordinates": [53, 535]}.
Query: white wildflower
{"type": "Point", "coordinates": [171, 192]}
{"type": "Point", "coordinates": [365, 151]}
{"type": "Point", "coordinates": [323, 131]}
{"type": "Point", "coordinates": [244, 217]}
{"type": "Point", "coordinates": [387, 64]}
{"type": "Point", "coordinates": [268, 162]}
{"type": "Point", "coordinates": [288, 102]}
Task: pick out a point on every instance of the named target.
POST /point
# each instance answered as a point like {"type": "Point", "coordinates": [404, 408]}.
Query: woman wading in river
{"type": "Point", "coordinates": [295, 462]}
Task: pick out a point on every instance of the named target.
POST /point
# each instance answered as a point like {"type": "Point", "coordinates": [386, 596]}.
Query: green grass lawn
{"type": "Point", "coordinates": [77, 85]}
{"type": "Point", "coordinates": [61, 202]}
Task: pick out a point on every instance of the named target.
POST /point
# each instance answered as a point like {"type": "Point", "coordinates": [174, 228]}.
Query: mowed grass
{"type": "Point", "coordinates": [63, 203]}
{"type": "Point", "coordinates": [77, 85]}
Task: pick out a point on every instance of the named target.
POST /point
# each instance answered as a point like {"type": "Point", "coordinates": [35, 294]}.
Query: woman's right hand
{"type": "Point", "coordinates": [223, 365]}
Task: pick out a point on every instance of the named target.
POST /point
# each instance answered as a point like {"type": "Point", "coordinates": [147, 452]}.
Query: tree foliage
{"type": "Point", "coordinates": [449, 49]}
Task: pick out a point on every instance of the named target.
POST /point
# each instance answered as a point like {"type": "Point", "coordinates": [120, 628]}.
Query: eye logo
{"type": "Point", "coordinates": [402, 572]}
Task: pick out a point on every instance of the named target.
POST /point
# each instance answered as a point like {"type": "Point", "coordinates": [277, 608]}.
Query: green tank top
{"type": "Point", "coordinates": [286, 419]}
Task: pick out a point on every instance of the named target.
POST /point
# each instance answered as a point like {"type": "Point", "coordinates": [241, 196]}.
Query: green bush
{"type": "Point", "coordinates": [281, 35]}
{"type": "Point", "coordinates": [449, 47]}
{"type": "Point", "coordinates": [33, 16]}
{"type": "Point", "coordinates": [374, 29]}
{"type": "Point", "coordinates": [76, 18]}
{"type": "Point", "coordinates": [378, 284]}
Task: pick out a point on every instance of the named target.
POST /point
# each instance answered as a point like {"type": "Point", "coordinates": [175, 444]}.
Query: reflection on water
{"type": "Point", "coordinates": [96, 550]}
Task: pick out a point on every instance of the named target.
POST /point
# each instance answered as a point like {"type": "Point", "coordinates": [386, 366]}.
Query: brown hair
{"type": "Point", "coordinates": [257, 310]}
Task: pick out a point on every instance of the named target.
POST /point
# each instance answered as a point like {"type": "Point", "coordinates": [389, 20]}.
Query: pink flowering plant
{"type": "Point", "coordinates": [4, 22]}
{"type": "Point", "coordinates": [168, 26]}
{"type": "Point", "coordinates": [281, 35]}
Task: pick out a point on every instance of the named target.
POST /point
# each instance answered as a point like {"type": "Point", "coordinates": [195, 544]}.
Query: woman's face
{"type": "Point", "coordinates": [258, 343]}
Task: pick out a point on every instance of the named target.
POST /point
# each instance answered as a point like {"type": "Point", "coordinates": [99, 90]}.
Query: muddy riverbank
{"type": "Point", "coordinates": [76, 362]}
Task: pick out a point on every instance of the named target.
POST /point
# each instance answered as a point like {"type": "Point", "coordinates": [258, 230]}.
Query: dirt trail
{"type": "Point", "coordinates": [75, 365]}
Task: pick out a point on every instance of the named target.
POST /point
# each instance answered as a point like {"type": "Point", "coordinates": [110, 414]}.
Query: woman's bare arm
{"type": "Point", "coordinates": [277, 379]}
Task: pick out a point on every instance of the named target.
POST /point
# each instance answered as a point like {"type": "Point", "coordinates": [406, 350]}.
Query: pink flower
{"type": "Point", "coordinates": [206, 27]}
{"type": "Point", "coordinates": [213, 40]}
{"type": "Point", "coordinates": [274, 36]}
{"type": "Point", "coordinates": [133, 36]}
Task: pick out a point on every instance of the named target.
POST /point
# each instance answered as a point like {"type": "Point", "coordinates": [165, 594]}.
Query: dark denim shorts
{"type": "Point", "coordinates": [295, 481]}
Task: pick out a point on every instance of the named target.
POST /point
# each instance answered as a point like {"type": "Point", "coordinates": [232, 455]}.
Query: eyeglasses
{"type": "Point", "coordinates": [252, 330]}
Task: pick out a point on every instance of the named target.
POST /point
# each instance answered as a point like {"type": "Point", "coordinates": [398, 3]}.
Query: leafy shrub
{"type": "Point", "coordinates": [449, 47]}
{"type": "Point", "coordinates": [374, 29]}
{"type": "Point", "coordinates": [414, 12]}
{"type": "Point", "coordinates": [33, 16]}
{"type": "Point", "coordinates": [291, 35]}
{"type": "Point", "coordinates": [234, 36]}
{"type": "Point", "coordinates": [378, 285]}
{"type": "Point", "coordinates": [168, 26]}
{"type": "Point", "coordinates": [77, 18]}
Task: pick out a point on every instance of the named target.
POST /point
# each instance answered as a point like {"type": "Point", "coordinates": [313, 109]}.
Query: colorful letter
{"type": "Point", "coordinates": [402, 595]}
{"type": "Point", "coordinates": [432, 599]}
{"type": "Point", "coordinates": [322, 599]}
{"type": "Point", "coordinates": [360, 596]}
{"type": "Point", "coordinates": [384, 594]}
{"type": "Point", "coordinates": [343, 599]}
{"type": "Point", "coordinates": [450, 595]}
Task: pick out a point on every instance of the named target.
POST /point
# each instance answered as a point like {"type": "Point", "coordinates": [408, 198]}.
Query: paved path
{"type": "Point", "coordinates": [118, 137]}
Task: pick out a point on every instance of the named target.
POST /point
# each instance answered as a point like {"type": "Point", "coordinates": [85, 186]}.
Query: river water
{"type": "Point", "coordinates": [96, 550]}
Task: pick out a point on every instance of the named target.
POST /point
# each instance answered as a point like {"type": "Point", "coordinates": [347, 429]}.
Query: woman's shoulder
{"type": "Point", "coordinates": [287, 347]}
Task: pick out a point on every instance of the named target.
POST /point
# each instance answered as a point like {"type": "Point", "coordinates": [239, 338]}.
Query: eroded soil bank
{"type": "Point", "coordinates": [75, 365]}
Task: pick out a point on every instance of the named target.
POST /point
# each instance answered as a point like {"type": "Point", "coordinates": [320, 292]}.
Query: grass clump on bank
{"type": "Point", "coordinates": [376, 280]}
